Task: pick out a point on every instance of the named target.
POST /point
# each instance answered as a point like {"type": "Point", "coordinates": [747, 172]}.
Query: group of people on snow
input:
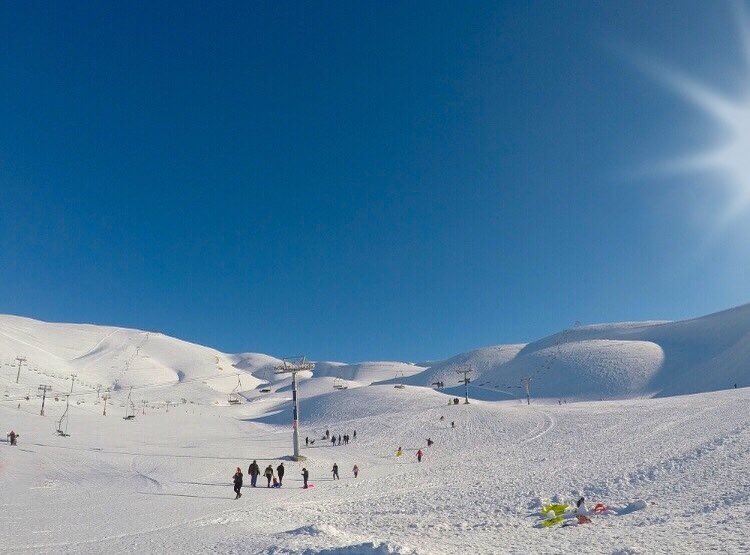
{"type": "Point", "coordinates": [272, 480]}
{"type": "Point", "coordinates": [334, 439]}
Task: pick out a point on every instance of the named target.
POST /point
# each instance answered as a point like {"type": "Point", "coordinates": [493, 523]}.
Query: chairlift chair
{"type": "Point", "coordinates": [234, 398]}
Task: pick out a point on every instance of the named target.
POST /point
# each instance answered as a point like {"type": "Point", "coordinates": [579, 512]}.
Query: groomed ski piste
{"type": "Point", "coordinates": [642, 417]}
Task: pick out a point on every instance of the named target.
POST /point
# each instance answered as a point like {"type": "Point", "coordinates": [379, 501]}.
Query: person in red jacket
{"type": "Point", "coordinates": [419, 455]}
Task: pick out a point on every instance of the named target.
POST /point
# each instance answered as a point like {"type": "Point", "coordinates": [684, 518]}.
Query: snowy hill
{"type": "Point", "coordinates": [631, 359]}
{"type": "Point", "coordinates": [107, 357]}
{"type": "Point", "coordinates": [669, 469]}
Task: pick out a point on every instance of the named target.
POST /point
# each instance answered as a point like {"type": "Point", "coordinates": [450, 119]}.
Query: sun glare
{"type": "Point", "coordinates": [729, 158]}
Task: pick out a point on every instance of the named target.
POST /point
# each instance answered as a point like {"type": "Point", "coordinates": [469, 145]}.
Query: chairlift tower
{"type": "Point", "coordinates": [465, 371]}
{"type": "Point", "coordinates": [19, 361]}
{"type": "Point", "coordinates": [44, 389]}
{"type": "Point", "coordinates": [292, 366]}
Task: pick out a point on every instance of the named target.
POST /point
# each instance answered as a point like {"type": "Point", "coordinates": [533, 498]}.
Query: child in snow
{"type": "Point", "coordinates": [305, 476]}
{"type": "Point", "coordinates": [355, 470]}
{"type": "Point", "coordinates": [237, 483]}
{"type": "Point", "coordinates": [419, 455]}
{"type": "Point", "coordinates": [276, 483]}
{"type": "Point", "coordinates": [582, 513]}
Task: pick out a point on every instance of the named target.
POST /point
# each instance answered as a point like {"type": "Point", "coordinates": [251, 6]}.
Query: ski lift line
{"type": "Point", "coordinates": [150, 386]}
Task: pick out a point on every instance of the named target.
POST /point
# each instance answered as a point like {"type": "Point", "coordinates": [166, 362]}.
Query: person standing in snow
{"type": "Point", "coordinates": [399, 452]}
{"type": "Point", "coordinates": [13, 437]}
{"type": "Point", "coordinates": [238, 483]}
{"type": "Point", "coordinates": [254, 471]}
{"type": "Point", "coordinates": [280, 473]}
{"type": "Point", "coordinates": [453, 424]}
{"type": "Point", "coordinates": [429, 442]}
{"type": "Point", "coordinates": [328, 434]}
{"type": "Point", "coordinates": [354, 435]}
{"type": "Point", "coordinates": [339, 439]}
{"type": "Point", "coordinates": [419, 455]}
{"type": "Point", "coordinates": [305, 476]}
{"type": "Point", "coordinates": [355, 470]}
{"type": "Point", "coordinates": [269, 474]}
{"type": "Point", "coordinates": [307, 441]}
{"type": "Point", "coordinates": [335, 471]}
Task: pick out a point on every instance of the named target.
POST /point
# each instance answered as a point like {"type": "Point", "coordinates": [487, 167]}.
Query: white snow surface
{"type": "Point", "coordinates": [672, 469]}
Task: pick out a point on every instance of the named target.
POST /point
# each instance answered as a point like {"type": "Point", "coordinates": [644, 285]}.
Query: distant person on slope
{"type": "Point", "coordinates": [335, 471]}
{"type": "Point", "coordinates": [13, 437]}
{"type": "Point", "coordinates": [280, 473]}
{"type": "Point", "coordinates": [399, 452]}
{"type": "Point", "coordinates": [355, 470]}
{"type": "Point", "coordinates": [269, 474]}
{"type": "Point", "coordinates": [430, 442]}
{"type": "Point", "coordinates": [305, 476]}
{"type": "Point", "coordinates": [238, 483]}
{"type": "Point", "coordinates": [419, 455]}
{"type": "Point", "coordinates": [333, 441]}
{"type": "Point", "coordinates": [354, 435]}
{"type": "Point", "coordinates": [254, 471]}
{"type": "Point", "coordinates": [307, 441]}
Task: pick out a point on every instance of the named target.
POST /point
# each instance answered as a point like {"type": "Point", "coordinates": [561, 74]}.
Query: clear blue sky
{"type": "Point", "coordinates": [360, 180]}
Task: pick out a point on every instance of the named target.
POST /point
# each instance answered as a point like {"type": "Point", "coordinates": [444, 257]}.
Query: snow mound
{"type": "Point", "coordinates": [623, 360]}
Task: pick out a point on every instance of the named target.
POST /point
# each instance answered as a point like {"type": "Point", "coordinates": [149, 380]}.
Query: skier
{"type": "Point", "coordinates": [13, 437]}
{"type": "Point", "coordinates": [238, 483]}
{"type": "Point", "coordinates": [280, 472]}
{"type": "Point", "coordinates": [419, 455]}
{"type": "Point", "coordinates": [430, 442]}
{"type": "Point", "coordinates": [254, 471]}
{"type": "Point", "coordinates": [399, 452]}
{"type": "Point", "coordinates": [355, 470]}
{"type": "Point", "coordinates": [269, 474]}
{"type": "Point", "coordinates": [335, 471]}
{"type": "Point", "coordinates": [305, 476]}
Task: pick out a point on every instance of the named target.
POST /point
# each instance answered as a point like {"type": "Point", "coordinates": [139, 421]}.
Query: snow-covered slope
{"type": "Point", "coordinates": [117, 358]}
{"type": "Point", "coordinates": [623, 360]}
{"type": "Point", "coordinates": [671, 469]}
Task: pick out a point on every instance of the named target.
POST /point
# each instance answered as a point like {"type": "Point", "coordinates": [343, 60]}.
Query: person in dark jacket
{"type": "Point", "coordinates": [13, 437]}
{"type": "Point", "coordinates": [238, 483]}
{"type": "Point", "coordinates": [335, 471]}
{"type": "Point", "coordinates": [354, 435]}
{"type": "Point", "coordinates": [333, 441]}
{"type": "Point", "coordinates": [305, 476]}
{"type": "Point", "coordinates": [254, 471]}
{"type": "Point", "coordinates": [280, 474]}
{"type": "Point", "coordinates": [269, 474]}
